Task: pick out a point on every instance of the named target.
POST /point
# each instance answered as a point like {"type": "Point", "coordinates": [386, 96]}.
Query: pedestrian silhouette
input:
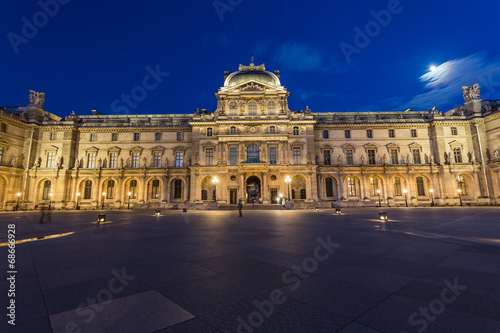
{"type": "Point", "coordinates": [240, 207]}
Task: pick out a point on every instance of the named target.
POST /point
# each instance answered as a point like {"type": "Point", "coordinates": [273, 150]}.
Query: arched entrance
{"type": "Point", "coordinates": [253, 189]}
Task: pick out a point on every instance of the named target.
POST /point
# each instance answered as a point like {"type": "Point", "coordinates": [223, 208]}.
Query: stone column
{"type": "Point", "coordinates": [243, 192]}
{"type": "Point", "coordinates": [264, 189]}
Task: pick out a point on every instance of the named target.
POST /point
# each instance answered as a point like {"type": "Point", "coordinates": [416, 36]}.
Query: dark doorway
{"type": "Point", "coordinates": [274, 195]}
{"type": "Point", "coordinates": [233, 196]}
{"type": "Point", "coordinates": [253, 189]}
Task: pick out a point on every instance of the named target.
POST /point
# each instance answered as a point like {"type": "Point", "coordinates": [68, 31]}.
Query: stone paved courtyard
{"type": "Point", "coordinates": [426, 270]}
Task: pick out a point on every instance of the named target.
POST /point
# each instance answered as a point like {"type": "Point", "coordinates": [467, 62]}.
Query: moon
{"type": "Point", "coordinates": [432, 68]}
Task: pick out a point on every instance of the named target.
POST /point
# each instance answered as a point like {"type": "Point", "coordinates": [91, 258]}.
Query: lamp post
{"type": "Point", "coordinates": [406, 197]}
{"type": "Point", "coordinates": [77, 197]}
{"type": "Point", "coordinates": [17, 205]}
{"type": "Point", "coordinates": [50, 199]}
{"type": "Point", "coordinates": [215, 181]}
{"type": "Point", "coordinates": [288, 180]}
{"type": "Point", "coordinates": [128, 204]}
{"type": "Point", "coordinates": [460, 195]}
{"type": "Point", "coordinates": [432, 197]}
{"type": "Point", "coordinates": [379, 203]}
{"type": "Point", "coordinates": [103, 195]}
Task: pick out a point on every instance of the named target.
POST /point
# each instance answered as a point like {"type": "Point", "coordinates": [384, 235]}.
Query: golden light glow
{"type": "Point", "coordinates": [18, 194]}
{"type": "Point", "coordinates": [38, 238]}
{"type": "Point", "coordinates": [78, 194]}
{"type": "Point", "coordinates": [288, 179]}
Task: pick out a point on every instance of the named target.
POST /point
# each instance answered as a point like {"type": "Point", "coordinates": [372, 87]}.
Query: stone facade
{"type": "Point", "coordinates": [251, 143]}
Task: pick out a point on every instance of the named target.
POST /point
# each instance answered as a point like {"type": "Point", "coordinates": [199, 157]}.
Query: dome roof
{"type": "Point", "coordinates": [252, 72]}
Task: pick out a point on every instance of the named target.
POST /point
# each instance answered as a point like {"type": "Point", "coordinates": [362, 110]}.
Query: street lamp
{"type": "Point", "coordinates": [50, 199]}
{"type": "Point", "coordinates": [406, 197]}
{"type": "Point", "coordinates": [77, 197]}
{"type": "Point", "coordinates": [18, 195]}
{"type": "Point", "coordinates": [460, 195]}
{"type": "Point", "coordinates": [432, 197]}
{"type": "Point", "coordinates": [379, 203]}
{"type": "Point", "coordinates": [128, 205]}
{"type": "Point", "coordinates": [288, 180]}
{"type": "Point", "coordinates": [103, 194]}
{"type": "Point", "coordinates": [215, 181]}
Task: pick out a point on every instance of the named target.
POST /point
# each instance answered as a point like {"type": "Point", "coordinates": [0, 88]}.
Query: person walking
{"type": "Point", "coordinates": [240, 207]}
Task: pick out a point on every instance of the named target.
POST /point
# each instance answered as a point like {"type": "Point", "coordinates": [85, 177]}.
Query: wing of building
{"type": "Point", "coordinates": [251, 148]}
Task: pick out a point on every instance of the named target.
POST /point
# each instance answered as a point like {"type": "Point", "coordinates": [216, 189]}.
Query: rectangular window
{"type": "Point", "coordinates": [50, 160]}
{"type": "Point", "coordinates": [93, 137]}
{"type": "Point", "coordinates": [457, 153]}
{"type": "Point", "coordinates": [1, 154]}
{"type": "Point", "coordinates": [374, 186]}
{"type": "Point", "coordinates": [178, 188]}
{"type": "Point", "coordinates": [413, 133]}
{"type": "Point", "coordinates": [53, 135]}
{"type": "Point", "coordinates": [397, 186]}
{"type": "Point", "coordinates": [179, 159]}
{"type": "Point", "coordinates": [87, 194]}
{"type": "Point", "coordinates": [371, 156]}
{"type": "Point", "coordinates": [394, 156]}
{"type": "Point", "coordinates": [329, 187]}
{"type": "Point", "coordinates": [209, 132]}
{"type": "Point", "coordinates": [209, 156]}
{"type": "Point", "coordinates": [272, 155]}
{"type": "Point", "coordinates": [296, 155]}
{"type": "Point", "coordinates": [113, 158]}
{"type": "Point", "coordinates": [369, 134]}
{"type": "Point", "coordinates": [91, 161]}
{"type": "Point", "coordinates": [351, 186]}
{"type": "Point", "coordinates": [110, 189]}
{"type": "Point", "coordinates": [349, 157]}
{"type": "Point", "coordinates": [233, 155]}
{"type": "Point", "coordinates": [157, 160]}
{"type": "Point", "coordinates": [137, 136]}
{"type": "Point", "coordinates": [114, 136]}
{"type": "Point", "coordinates": [327, 160]}
{"type": "Point", "coordinates": [391, 133]}
{"type": "Point", "coordinates": [4, 128]}
{"type": "Point", "coordinates": [347, 134]}
{"type": "Point", "coordinates": [135, 160]}
{"type": "Point", "coordinates": [157, 136]}
{"type": "Point", "coordinates": [325, 134]}
{"type": "Point", "coordinates": [454, 131]}
{"type": "Point", "coordinates": [180, 136]}
{"type": "Point", "coordinates": [416, 156]}
{"type": "Point", "coordinates": [420, 186]}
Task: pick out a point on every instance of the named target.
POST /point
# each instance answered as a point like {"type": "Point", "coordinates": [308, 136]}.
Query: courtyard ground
{"type": "Point", "coordinates": [425, 270]}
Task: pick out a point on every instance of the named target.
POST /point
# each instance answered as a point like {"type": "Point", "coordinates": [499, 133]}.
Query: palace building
{"type": "Point", "coordinates": [251, 148]}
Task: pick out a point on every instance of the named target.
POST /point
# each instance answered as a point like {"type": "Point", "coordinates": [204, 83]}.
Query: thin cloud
{"type": "Point", "coordinates": [446, 81]}
{"type": "Point", "coordinates": [295, 56]}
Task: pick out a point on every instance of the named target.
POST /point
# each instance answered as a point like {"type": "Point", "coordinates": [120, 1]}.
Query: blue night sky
{"type": "Point", "coordinates": [90, 53]}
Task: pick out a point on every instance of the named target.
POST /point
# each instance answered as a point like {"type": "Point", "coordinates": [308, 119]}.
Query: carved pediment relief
{"type": "Point", "coordinates": [370, 146]}
{"type": "Point", "coordinates": [455, 143]}
{"type": "Point", "coordinates": [253, 86]}
{"type": "Point", "coordinates": [158, 149]}
{"type": "Point", "coordinates": [326, 147]}
{"type": "Point", "coordinates": [114, 149]}
{"type": "Point", "coordinates": [349, 146]}
{"type": "Point", "coordinates": [391, 146]}
{"type": "Point", "coordinates": [414, 145]}
{"type": "Point", "coordinates": [136, 149]}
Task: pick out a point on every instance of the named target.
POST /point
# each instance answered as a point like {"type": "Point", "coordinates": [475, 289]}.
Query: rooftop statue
{"type": "Point", "coordinates": [37, 98]}
{"type": "Point", "coordinates": [252, 68]}
{"type": "Point", "coordinates": [471, 92]}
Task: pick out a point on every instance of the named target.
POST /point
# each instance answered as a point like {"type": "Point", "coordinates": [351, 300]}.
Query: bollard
{"type": "Point", "coordinates": [382, 216]}
{"type": "Point", "coordinates": [101, 218]}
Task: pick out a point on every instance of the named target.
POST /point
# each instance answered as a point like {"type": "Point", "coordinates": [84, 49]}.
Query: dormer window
{"type": "Point", "coordinates": [272, 130]}
{"type": "Point", "coordinates": [209, 131]}
{"type": "Point", "coordinates": [233, 130]}
{"type": "Point", "coordinates": [295, 130]}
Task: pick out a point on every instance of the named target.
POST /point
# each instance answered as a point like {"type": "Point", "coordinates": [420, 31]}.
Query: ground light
{"type": "Point", "coordinates": [158, 212]}
{"type": "Point", "coordinates": [382, 216]}
{"type": "Point", "coordinates": [338, 211]}
{"type": "Point", "coordinates": [460, 196]}
{"type": "Point", "coordinates": [101, 218]}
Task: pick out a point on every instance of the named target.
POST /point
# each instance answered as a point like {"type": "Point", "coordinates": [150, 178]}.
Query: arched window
{"type": "Point", "coordinates": [233, 130]}
{"type": "Point", "coordinates": [295, 130]}
{"type": "Point", "coordinates": [252, 109]}
{"type": "Point", "coordinates": [397, 186]}
{"type": "Point", "coordinates": [155, 186]}
{"type": "Point", "coordinates": [209, 131]}
{"type": "Point", "coordinates": [233, 109]}
{"type": "Point", "coordinates": [329, 187]}
{"type": "Point", "coordinates": [374, 185]}
{"type": "Point", "coordinates": [420, 186]}
{"type": "Point", "coordinates": [271, 108]}
{"type": "Point", "coordinates": [303, 193]}
{"type": "Point", "coordinates": [461, 185]}
{"type": "Point", "coordinates": [133, 189]}
{"type": "Point", "coordinates": [87, 194]}
{"type": "Point", "coordinates": [178, 189]}
{"type": "Point", "coordinates": [253, 154]}
{"type": "Point", "coordinates": [46, 190]}
{"type": "Point", "coordinates": [110, 189]}
{"type": "Point", "coordinates": [272, 130]}
{"type": "Point", "coordinates": [351, 186]}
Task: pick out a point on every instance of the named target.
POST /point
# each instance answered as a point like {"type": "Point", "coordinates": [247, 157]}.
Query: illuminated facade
{"type": "Point", "coordinates": [252, 142]}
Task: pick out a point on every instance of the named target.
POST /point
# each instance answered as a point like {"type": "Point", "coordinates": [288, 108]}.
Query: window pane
{"type": "Point", "coordinates": [233, 155]}
{"type": "Point", "coordinates": [371, 156]}
{"type": "Point", "coordinates": [394, 156]}
{"type": "Point", "coordinates": [271, 108]}
{"type": "Point", "coordinates": [420, 186]}
{"type": "Point", "coordinates": [179, 157]}
{"type": "Point", "coordinates": [233, 109]}
{"type": "Point", "coordinates": [157, 160]}
{"type": "Point", "coordinates": [252, 109]}
{"type": "Point", "coordinates": [178, 189]}
{"type": "Point", "coordinates": [416, 156]}
{"type": "Point", "coordinates": [397, 186]}
{"type": "Point", "coordinates": [253, 154]}
{"type": "Point", "coordinates": [296, 155]}
{"type": "Point", "coordinates": [209, 156]}
{"type": "Point", "coordinates": [135, 160]}
{"type": "Point", "coordinates": [329, 187]}
{"type": "Point", "coordinates": [272, 155]}
{"type": "Point", "coordinates": [349, 157]}
{"type": "Point", "coordinates": [327, 157]}
{"type": "Point", "coordinates": [113, 157]}
{"type": "Point", "coordinates": [351, 187]}
{"type": "Point", "coordinates": [88, 190]}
